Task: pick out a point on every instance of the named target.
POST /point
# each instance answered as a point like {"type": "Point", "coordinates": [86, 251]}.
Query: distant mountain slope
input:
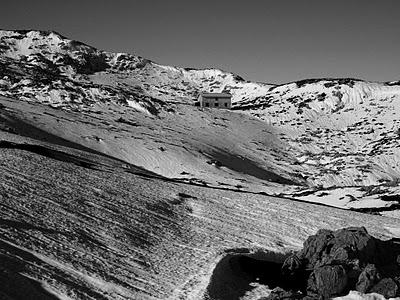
{"type": "Point", "coordinates": [334, 141]}
{"type": "Point", "coordinates": [53, 69]}
{"type": "Point", "coordinates": [346, 132]}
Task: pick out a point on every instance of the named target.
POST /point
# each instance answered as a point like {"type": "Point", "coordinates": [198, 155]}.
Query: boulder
{"type": "Point", "coordinates": [315, 247]}
{"type": "Point", "coordinates": [332, 263]}
{"type": "Point", "coordinates": [367, 279]}
{"type": "Point", "coordinates": [281, 294]}
{"type": "Point", "coordinates": [328, 247]}
{"type": "Point", "coordinates": [327, 281]}
{"type": "Point", "coordinates": [386, 287]}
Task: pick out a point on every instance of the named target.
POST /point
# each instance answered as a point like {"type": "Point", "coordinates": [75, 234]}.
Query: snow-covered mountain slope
{"type": "Point", "coordinates": [333, 141]}
{"type": "Point", "coordinates": [114, 186]}
{"type": "Point", "coordinates": [344, 132]}
{"type": "Point", "coordinates": [53, 69]}
{"type": "Point", "coordinates": [79, 225]}
{"type": "Point", "coordinates": [218, 148]}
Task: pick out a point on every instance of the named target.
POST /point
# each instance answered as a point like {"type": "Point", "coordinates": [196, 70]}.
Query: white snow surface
{"type": "Point", "coordinates": [354, 295]}
{"type": "Point", "coordinates": [96, 229]}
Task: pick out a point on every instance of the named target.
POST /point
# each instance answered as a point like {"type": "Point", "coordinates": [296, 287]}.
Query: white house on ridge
{"type": "Point", "coordinates": [215, 100]}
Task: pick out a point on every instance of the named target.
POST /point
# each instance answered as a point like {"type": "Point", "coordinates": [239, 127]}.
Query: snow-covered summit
{"type": "Point", "coordinates": [41, 55]}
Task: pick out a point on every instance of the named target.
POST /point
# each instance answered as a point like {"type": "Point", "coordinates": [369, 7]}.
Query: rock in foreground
{"type": "Point", "coordinates": [332, 263]}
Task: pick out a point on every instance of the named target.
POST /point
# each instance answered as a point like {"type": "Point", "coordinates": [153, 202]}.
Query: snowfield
{"type": "Point", "coordinates": [82, 225]}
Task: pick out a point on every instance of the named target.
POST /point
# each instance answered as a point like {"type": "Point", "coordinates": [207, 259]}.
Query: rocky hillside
{"type": "Point", "coordinates": [333, 141]}
{"type": "Point", "coordinates": [53, 69]}
{"type": "Point", "coordinates": [114, 186]}
{"type": "Point", "coordinates": [345, 131]}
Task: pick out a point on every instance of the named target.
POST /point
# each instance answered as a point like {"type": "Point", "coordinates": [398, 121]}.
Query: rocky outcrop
{"type": "Point", "coordinates": [332, 263]}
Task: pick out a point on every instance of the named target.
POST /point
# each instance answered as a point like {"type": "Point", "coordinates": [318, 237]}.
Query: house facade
{"type": "Point", "coordinates": [215, 100]}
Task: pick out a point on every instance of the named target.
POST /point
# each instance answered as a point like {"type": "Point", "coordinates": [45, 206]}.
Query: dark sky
{"type": "Point", "coordinates": [269, 41]}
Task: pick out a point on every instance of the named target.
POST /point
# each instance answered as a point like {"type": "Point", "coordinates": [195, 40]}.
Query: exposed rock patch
{"type": "Point", "coordinates": [332, 263]}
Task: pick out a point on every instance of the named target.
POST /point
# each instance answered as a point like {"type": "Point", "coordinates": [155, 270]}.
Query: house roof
{"type": "Point", "coordinates": [216, 95]}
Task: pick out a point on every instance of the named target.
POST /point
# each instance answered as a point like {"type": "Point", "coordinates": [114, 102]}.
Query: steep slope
{"type": "Point", "coordinates": [186, 142]}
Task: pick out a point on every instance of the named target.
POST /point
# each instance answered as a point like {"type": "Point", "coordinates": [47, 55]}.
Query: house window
{"type": "Point", "coordinates": [216, 104]}
{"type": "Point", "coordinates": [226, 104]}
{"type": "Point", "coordinates": [207, 104]}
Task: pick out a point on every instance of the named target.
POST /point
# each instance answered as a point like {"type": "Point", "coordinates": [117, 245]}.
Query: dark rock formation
{"type": "Point", "coordinates": [386, 287]}
{"type": "Point", "coordinates": [327, 281]}
{"type": "Point", "coordinates": [367, 279]}
{"type": "Point", "coordinates": [332, 263]}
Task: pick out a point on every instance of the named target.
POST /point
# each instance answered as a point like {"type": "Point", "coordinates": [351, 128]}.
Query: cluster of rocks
{"type": "Point", "coordinates": [332, 263]}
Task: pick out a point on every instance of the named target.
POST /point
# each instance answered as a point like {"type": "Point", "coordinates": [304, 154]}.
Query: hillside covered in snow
{"type": "Point", "coordinates": [113, 185]}
{"type": "Point", "coordinates": [333, 141]}
{"type": "Point", "coordinates": [51, 68]}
